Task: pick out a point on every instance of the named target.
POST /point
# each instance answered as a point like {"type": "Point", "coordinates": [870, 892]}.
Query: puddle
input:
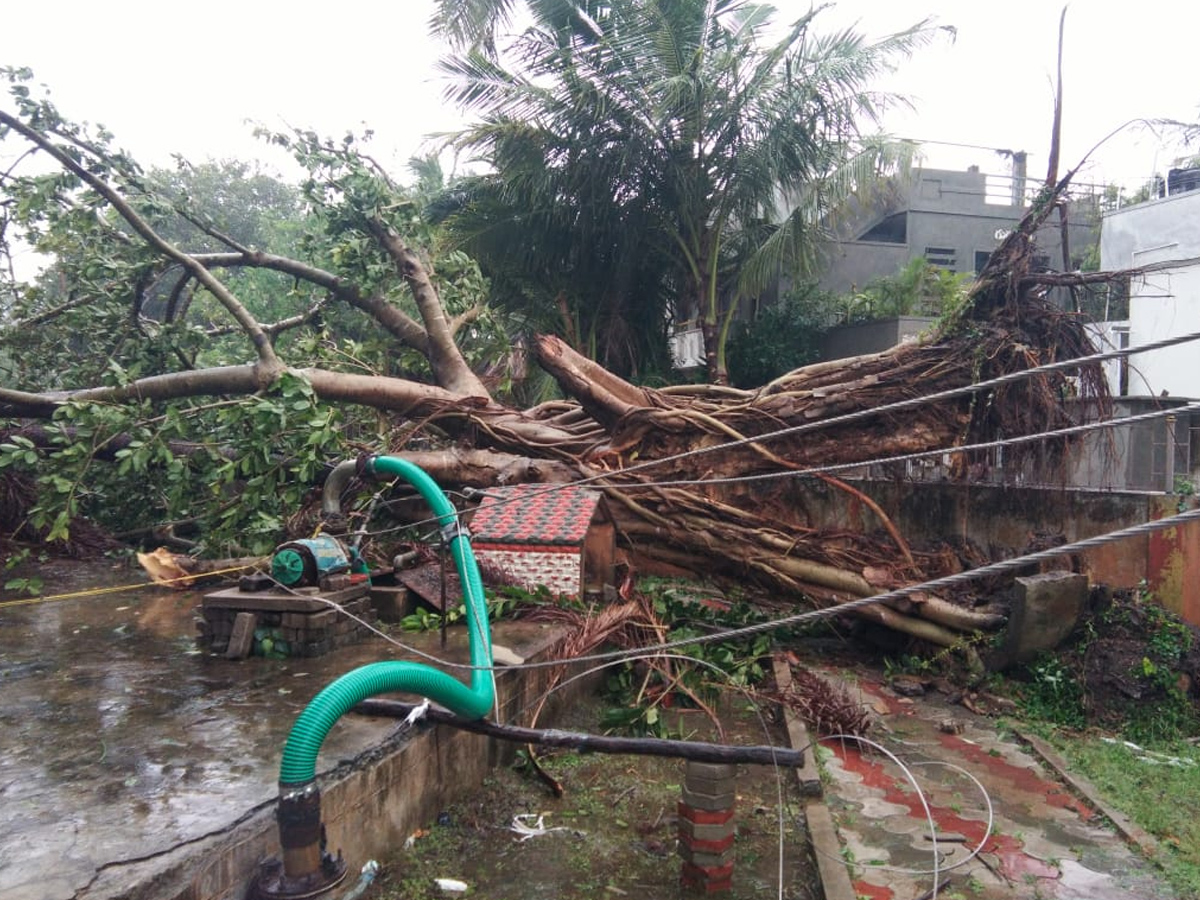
{"type": "Point", "coordinates": [118, 741]}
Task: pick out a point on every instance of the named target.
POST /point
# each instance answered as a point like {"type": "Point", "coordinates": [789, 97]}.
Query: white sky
{"type": "Point", "coordinates": [166, 77]}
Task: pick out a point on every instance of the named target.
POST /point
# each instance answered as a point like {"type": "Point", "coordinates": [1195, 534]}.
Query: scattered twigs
{"type": "Point", "coordinates": [825, 708]}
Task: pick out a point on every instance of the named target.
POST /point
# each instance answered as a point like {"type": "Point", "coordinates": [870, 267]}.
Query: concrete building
{"type": "Point", "coordinates": [1161, 304]}
{"type": "Point", "coordinates": [953, 219]}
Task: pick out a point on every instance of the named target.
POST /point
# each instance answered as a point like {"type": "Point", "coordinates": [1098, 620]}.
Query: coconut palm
{"type": "Point", "coordinates": [685, 120]}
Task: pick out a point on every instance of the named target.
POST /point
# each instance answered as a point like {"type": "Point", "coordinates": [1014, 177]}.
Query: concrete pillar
{"type": "Point", "coordinates": [1045, 610]}
{"type": "Point", "coordinates": [706, 827]}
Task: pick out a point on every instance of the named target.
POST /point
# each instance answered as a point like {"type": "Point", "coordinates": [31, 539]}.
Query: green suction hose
{"type": "Point", "coordinates": [298, 766]}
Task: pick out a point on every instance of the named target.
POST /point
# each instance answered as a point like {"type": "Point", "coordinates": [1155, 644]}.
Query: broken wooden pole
{"type": "Point", "coordinates": [594, 743]}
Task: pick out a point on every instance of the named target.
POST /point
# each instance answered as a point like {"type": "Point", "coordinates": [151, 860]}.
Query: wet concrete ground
{"type": "Point", "coordinates": [1045, 843]}
{"type": "Point", "coordinates": [120, 741]}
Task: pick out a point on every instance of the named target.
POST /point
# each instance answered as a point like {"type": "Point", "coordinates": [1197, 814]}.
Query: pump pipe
{"type": "Point", "coordinates": [306, 867]}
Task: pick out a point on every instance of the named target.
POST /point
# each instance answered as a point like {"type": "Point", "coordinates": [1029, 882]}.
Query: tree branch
{"type": "Point", "coordinates": [269, 367]}
{"type": "Point", "coordinates": [465, 318]}
{"type": "Point", "coordinates": [605, 396]}
{"type": "Point", "coordinates": [394, 320]}
{"type": "Point", "coordinates": [449, 368]}
{"type": "Point", "coordinates": [592, 743]}
{"type": "Point", "coordinates": [276, 328]}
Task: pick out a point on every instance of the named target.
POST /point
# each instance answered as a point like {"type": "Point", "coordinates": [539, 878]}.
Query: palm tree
{"type": "Point", "coordinates": [684, 120]}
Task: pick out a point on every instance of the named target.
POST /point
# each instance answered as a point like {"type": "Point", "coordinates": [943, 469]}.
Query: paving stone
{"type": "Point", "coordinates": [708, 802]}
{"type": "Point", "coordinates": [878, 808]}
{"type": "Point", "coordinates": [1036, 817]}
{"type": "Point", "coordinates": [696, 771]}
{"type": "Point", "coordinates": [900, 825]}
{"type": "Point", "coordinates": [241, 640]}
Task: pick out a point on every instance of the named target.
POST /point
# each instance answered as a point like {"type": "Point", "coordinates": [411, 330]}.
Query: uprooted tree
{"type": "Point", "coordinates": [125, 401]}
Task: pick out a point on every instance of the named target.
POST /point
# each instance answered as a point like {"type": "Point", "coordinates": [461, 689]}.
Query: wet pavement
{"type": "Point", "coordinates": [120, 741]}
{"type": "Point", "coordinates": [1044, 842]}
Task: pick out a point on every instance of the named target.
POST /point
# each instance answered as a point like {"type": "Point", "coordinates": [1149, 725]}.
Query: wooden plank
{"type": "Point", "coordinates": [426, 582]}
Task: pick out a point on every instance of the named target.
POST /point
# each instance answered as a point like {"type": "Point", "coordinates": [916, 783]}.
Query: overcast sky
{"type": "Point", "coordinates": [166, 77]}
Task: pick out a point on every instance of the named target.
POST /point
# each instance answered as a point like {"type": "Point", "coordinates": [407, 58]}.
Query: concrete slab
{"type": "Point", "coordinates": [1045, 609]}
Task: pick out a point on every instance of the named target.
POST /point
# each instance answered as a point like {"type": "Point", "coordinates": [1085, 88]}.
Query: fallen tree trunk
{"type": "Point", "coordinates": [181, 572]}
{"type": "Point", "coordinates": [678, 464]}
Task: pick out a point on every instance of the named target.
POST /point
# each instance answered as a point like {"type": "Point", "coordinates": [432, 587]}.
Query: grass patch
{"type": "Point", "coordinates": [1158, 788]}
{"type": "Point", "coordinates": [616, 830]}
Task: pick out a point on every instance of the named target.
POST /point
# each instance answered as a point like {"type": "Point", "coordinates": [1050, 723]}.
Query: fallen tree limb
{"type": "Point", "coordinates": [593, 743]}
{"type": "Point", "coordinates": [180, 572]}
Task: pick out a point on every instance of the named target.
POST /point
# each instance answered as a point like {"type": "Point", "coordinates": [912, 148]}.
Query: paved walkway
{"type": "Point", "coordinates": [1044, 842]}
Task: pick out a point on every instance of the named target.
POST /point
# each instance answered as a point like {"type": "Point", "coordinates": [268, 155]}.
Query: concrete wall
{"type": "Point", "coordinates": [1143, 456]}
{"type": "Point", "coordinates": [849, 265]}
{"type": "Point", "coordinates": [1004, 522]}
{"type": "Point", "coordinates": [872, 337]}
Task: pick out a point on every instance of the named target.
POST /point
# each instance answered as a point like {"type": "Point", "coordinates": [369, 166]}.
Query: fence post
{"type": "Point", "coordinates": [706, 827]}
{"type": "Point", "coordinates": [1170, 466]}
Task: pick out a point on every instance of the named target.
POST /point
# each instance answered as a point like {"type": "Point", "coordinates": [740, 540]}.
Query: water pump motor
{"type": "Point", "coordinates": [304, 563]}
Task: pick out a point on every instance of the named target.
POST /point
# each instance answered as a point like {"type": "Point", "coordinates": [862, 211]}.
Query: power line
{"type": "Point", "coordinates": [930, 586]}
{"type": "Point", "coordinates": [809, 616]}
{"type": "Point", "coordinates": [927, 454]}
{"type": "Point", "coordinates": [858, 415]}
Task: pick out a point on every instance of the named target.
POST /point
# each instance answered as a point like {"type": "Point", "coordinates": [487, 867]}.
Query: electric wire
{"type": "Point", "coordinates": [809, 472]}
{"type": "Point", "coordinates": [723, 677]}
{"type": "Point", "coordinates": [912, 780]}
{"type": "Point", "coordinates": [855, 416]}
{"type": "Point", "coordinates": [906, 770]}
{"type": "Point", "coordinates": [808, 616]}
{"type": "Point", "coordinates": [846, 418]}
{"type": "Point", "coordinates": [619, 657]}
{"type": "Point", "coordinates": [998, 444]}
{"type": "Point", "coordinates": [929, 586]}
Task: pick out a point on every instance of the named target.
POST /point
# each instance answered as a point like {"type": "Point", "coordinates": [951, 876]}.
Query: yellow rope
{"type": "Point", "coordinates": [92, 592]}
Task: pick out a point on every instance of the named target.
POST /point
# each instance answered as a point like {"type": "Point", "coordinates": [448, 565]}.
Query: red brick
{"type": "Point", "coordinates": [704, 816]}
{"type": "Point", "coordinates": [706, 846]}
{"type": "Point", "coordinates": [707, 879]}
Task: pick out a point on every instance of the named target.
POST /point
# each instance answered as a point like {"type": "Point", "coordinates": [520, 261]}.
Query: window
{"type": "Point", "coordinates": [981, 258]}
{"type": "Point", "coordinates": [943, 257]}
{"type": "Point", "coordinates": [892, 230]}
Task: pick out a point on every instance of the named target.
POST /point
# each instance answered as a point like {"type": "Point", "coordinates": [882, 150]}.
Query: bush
{"type": "Point", "coordinates": [784, 336]}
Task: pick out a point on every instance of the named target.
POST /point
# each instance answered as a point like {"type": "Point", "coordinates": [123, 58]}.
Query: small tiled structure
{"type": "Point", "coordinates": [558, 536]}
